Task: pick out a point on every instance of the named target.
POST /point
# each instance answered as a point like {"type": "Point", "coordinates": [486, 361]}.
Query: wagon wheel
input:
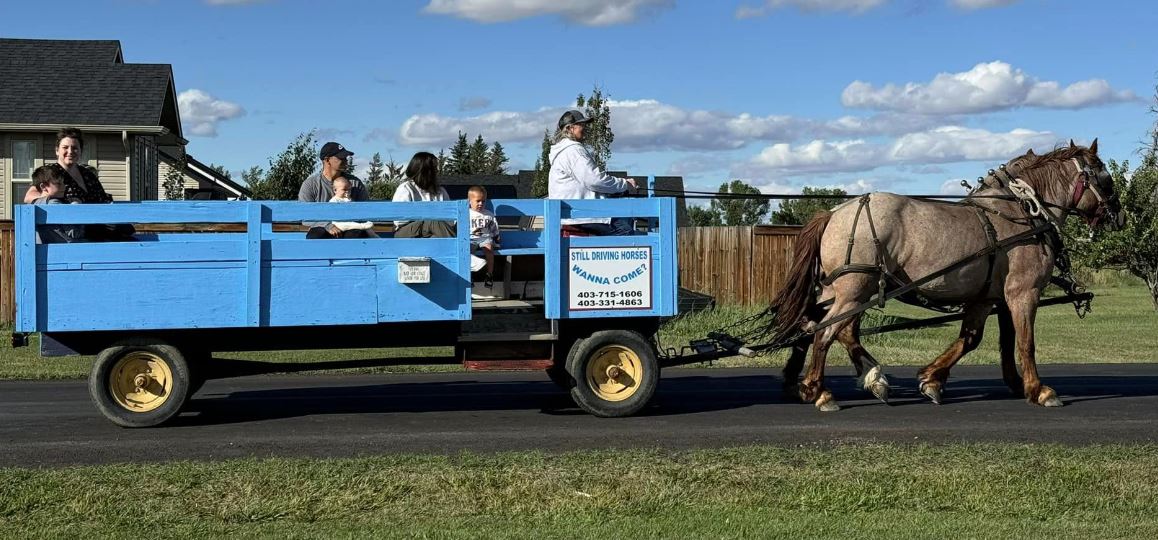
{"type": "Point", "coordinates": [615, 373]}
{"type": "Point", "coordinates": [558, 372]}
{"type": "Point", "coordinates": [139, 382]}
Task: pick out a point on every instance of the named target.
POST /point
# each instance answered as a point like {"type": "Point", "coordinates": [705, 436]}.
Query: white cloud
{"type": "Point", "coordinates": [200, 112]}
{"type": "Point", "coordinates": [647, 124]}
{"type": "Point", "coordinates": [981, 4]}
{"type": "Point", "coordinates": [952, 187]}
{"type": "Point", "coordinates": [987, 87]}
{"type": "Point", "coordinates": [949, 144]}
{"type": "Point", "coordinates": [855, 6]}
{"type": "Point", "coordinates": [585, 12]}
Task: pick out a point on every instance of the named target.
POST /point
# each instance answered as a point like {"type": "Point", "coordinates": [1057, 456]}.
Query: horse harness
{"type": "Point", "coordinates": [1043, 225]}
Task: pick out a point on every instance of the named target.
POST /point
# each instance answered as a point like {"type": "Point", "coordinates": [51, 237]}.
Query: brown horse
{"type": "Point", "coordinates": [883, 242]}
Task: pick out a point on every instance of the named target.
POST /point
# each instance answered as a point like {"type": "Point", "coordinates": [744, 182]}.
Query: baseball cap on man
{"type": "Point", "coordinates": [332, 149]}
{"type": "Point", "coordinates": [572, 117]}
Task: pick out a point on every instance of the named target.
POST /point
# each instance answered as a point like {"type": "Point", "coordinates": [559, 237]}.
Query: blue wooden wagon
{"type": "Point", "coordinates": [154, 310]}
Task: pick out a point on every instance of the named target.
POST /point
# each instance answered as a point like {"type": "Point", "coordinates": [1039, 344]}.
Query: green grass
{"type": "Point", "coordinates": [861, 491]}
{"type": "Point", "coordinates": [1118, 330]}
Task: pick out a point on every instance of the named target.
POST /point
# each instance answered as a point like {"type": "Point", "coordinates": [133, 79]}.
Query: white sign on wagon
{"type": "Point", "coordinates": [609, 278]}
{"type": "Point", "coordinates": [414, 270]}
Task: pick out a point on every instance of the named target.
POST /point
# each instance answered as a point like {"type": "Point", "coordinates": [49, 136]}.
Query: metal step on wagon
{"type": "Point", "coordinates": [154, 310]}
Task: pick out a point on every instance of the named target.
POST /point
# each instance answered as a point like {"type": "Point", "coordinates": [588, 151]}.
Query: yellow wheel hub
{"type": "Point", "coordinates": [614, 373]}
{"type": "Point", "coordinates": [141, 381]}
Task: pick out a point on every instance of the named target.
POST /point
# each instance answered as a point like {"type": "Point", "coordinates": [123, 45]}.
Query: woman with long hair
{"type": "Point", "coordinates": [422, 185]}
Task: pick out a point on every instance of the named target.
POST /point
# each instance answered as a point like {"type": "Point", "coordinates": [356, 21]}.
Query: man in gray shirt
{"type": "Point", "coordinates": [319, 187]}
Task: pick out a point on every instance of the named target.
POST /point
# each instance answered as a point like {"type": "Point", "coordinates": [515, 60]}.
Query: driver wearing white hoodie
{"type": "Point", "coordinates": [574, 175]}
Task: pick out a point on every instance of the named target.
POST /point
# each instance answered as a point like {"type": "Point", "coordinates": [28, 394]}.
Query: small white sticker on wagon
{"type": "Point", "coordinates": [609, 278]}
{"type": "Point", "coordinates": [414, 270]}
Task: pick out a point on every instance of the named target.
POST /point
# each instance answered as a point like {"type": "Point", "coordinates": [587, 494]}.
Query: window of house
{"type": "Point", "coordinates": [23, 163]}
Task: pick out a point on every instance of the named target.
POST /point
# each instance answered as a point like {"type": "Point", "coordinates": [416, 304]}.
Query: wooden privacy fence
{"type": "Point", "coordinates": [7, 273]}
{"type": "Point", "coordinates": [736, 265]}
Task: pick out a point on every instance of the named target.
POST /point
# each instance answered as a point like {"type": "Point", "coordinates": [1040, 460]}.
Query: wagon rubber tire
{"type": "Point", "coordinates": [140, 382]}
{"type": "Point", "coordinates": [615, 373]}
{"type": "Point", "coordinates": [558, 373]}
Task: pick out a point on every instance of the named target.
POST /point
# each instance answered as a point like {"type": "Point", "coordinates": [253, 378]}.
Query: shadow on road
{"type": "Point", "coordinates": [683, 394]}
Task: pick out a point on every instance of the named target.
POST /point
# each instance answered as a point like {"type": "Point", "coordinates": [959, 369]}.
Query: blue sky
{"type": "Point", "coordinates": [898, 95]}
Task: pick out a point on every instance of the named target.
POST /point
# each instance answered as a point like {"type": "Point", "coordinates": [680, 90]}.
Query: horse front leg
{"type": "Point", "coordinates": [869, 374]}
{"type": "Point", "coordinates": [1006, 339]}
{"type": "Point", "coordinates": [933, 377]}
{"type": "Point", "coordinates": [1023, 310]}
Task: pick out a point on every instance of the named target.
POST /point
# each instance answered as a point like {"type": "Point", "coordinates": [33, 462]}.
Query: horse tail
{"type": "Point", "coordinates": [797, 297]}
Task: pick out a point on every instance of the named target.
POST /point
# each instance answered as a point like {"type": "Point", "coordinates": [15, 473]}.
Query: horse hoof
{"type": "Point", "coordinates": [881, 391]}
{"type": "Point", "coordinates": [1048, 398]}
{"type": "Point", "coordinates": [826, 403]}
{"type": "Point", "coordinates": [932, 392]}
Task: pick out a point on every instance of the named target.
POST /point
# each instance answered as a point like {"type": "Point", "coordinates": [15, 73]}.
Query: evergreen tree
{"type": "Point", "coordinates": [542, 168]}
{"type": "Point", "coordinates": [459, 159]}
{"type": "Point", "coordinates": [443, 162]}
{"type": "Point", "coordinates": [597, 136]}
{"type": "Point", "coordinates": [497, 160]}
{"type": "Point", "coordinates": [375, 173]}
{"type": "Point", "coordinates": [477, 157]}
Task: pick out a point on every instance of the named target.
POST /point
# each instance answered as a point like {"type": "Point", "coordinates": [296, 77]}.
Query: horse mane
{"type": "Point", "coordinates": [1046, 173]}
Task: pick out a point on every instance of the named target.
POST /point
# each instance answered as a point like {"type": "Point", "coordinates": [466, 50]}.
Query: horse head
{"type": "Point", "coordinates": [1076, 179]}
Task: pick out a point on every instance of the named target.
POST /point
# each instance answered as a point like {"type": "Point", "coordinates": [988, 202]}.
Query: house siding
{"type": "Point", "coordinates": [109, 158]}
{"type": "Point", "coordinates": [188, 182]}
{"type": "Point", "coordinates": [4, 157]}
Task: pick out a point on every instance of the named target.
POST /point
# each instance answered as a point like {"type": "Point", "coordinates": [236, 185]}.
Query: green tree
{"type": "Point", "coordinates": [459, 158]}
{"type": "Point", "coordinates": [443, 162]}
{"type": "Point", "coordinates": [391, 176]}
{"type": "Point", "coordinates": [701, 216]}
{"type": "Point", "coordinates": [477, 157]}
{"type": "Point", "coordinates": [375, 172]}
{"type": "Point", "coordinates": [220, 169]}
{"type": "Point", "coordinates": [497, 160]}
{"type": "Point", "coordinates": [542, 168]}
{"type": "Point", "coordinates": [254, 178]}
{"type": "Point", "coordinates": [799, 211]}
{"type": "Point", "coordinates": [173, 185]}
{"type": "Point", "coordinates": [734, 209]}
{"type": "Point", "coordinates": [1134, 247]}
{"type": "Point", "coordinates": [597, 136]}
{"type": "Point", "coordinates": [288, 170]}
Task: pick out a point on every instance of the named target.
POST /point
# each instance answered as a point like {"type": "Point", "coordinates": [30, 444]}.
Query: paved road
{"type": "Point", "coordinates": [53, 423]}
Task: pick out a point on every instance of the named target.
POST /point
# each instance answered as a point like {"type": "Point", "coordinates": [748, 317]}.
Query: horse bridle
{"type": "Point", "coordinates": [1085, 174]}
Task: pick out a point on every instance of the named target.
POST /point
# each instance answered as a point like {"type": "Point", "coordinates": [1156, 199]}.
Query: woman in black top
{"type": "Point", "coordinates": [81, 185]}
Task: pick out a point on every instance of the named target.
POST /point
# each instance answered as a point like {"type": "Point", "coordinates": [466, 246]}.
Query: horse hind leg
{"type": "Point", "coordinates": [812, 386]}
{"type": "Point", "coordinates": [796, 358]}
{"type": "Point", "coordinates": [870, 376]}
{"type": "Point", "coordinates": [933, 377]}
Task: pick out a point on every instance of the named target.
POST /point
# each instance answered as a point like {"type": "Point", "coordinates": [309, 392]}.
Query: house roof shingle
{"type": "Point", "coordinates": [111, 94]}
{"type": "Point", "coordinates": [83, 83]}
{"type": "Point", "coordinates": [60, 50]}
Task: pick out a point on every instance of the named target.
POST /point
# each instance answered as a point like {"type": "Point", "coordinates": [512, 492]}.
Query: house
{"type": "Point", "coordinates": [128, 113]}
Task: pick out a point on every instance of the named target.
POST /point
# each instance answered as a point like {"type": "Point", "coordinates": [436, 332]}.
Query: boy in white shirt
{"type": "Point", "coordinates": [484, 229]}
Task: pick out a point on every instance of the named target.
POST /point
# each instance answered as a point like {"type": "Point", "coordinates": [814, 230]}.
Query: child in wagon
{"type": "Point", "coordinates": [342, 187]}
{"type": "Point", "coordinates": [484, 229]}
{"type": "Point", "coordinates": [49, 181]}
